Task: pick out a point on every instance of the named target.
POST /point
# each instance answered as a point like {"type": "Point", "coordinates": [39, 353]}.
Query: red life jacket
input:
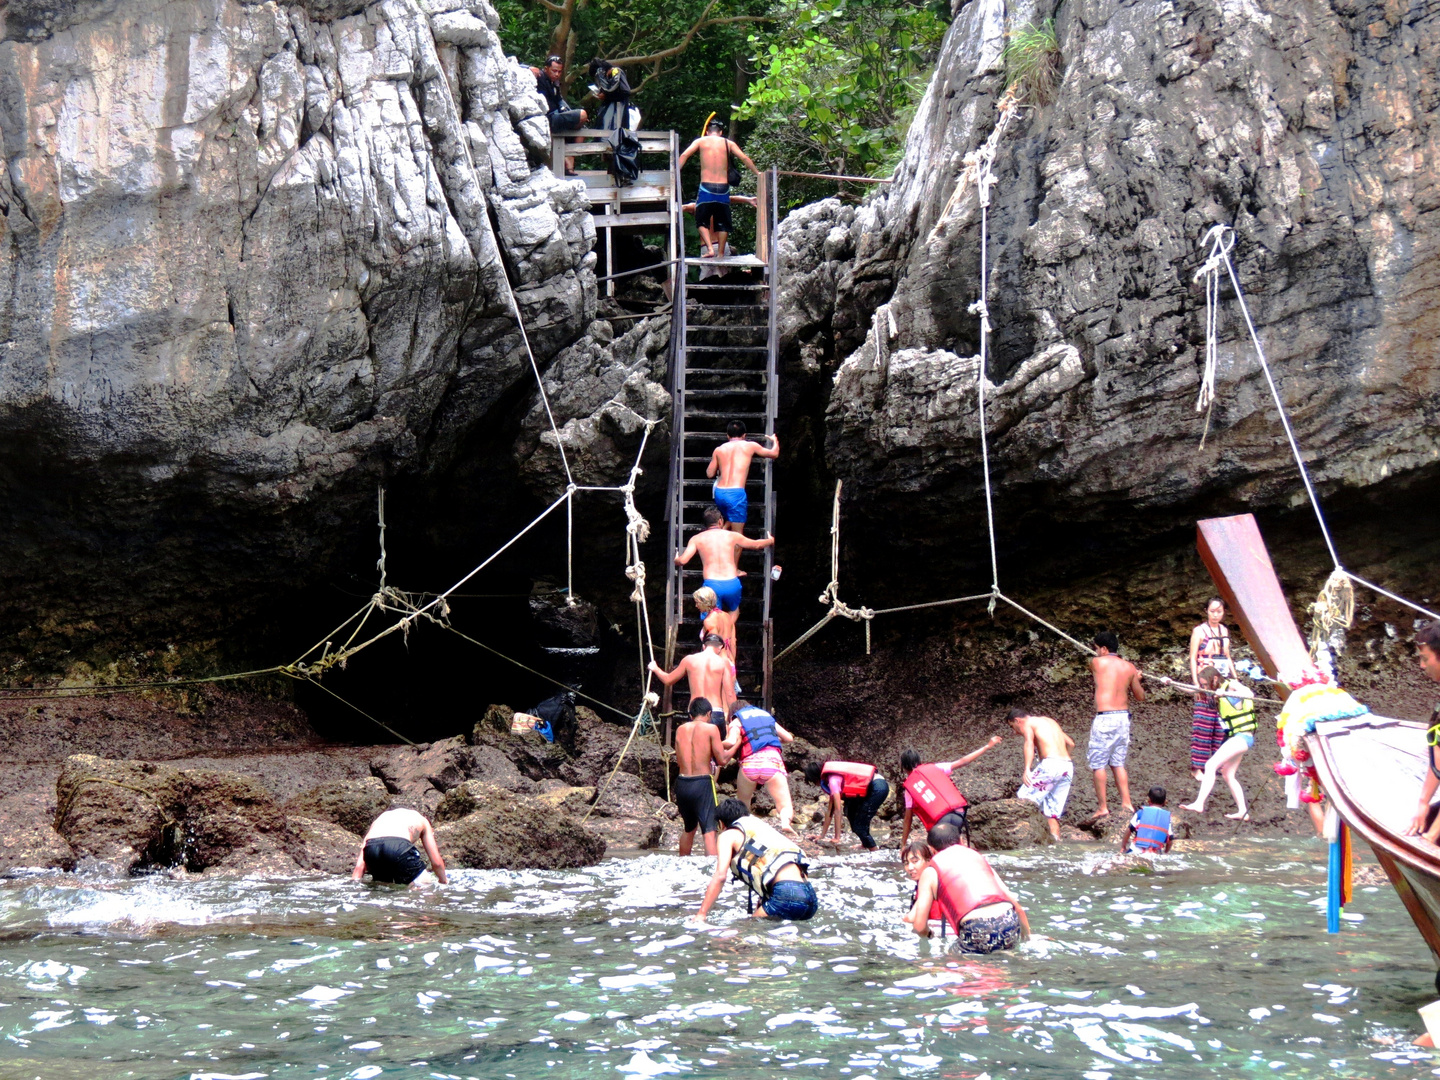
{"type": "Point", "coordinates": [933, 794]}
{"type": "Point", "coordinates": [855, 778]}
{"type": "Point", "coordinates": [965, 882]}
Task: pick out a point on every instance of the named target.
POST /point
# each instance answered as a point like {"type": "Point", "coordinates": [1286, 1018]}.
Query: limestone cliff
{"type": "Point", "coordinates": [1309, 127]}
{"type": "Point", "coordinates": [254, 257]}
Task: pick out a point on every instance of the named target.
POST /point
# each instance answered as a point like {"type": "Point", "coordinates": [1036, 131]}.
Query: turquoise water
{"type": "Point", "coordinates": [1216, 965]}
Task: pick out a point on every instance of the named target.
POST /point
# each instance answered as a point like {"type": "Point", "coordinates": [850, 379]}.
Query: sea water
{"type": "Point", "coordinates": [1213, 964]}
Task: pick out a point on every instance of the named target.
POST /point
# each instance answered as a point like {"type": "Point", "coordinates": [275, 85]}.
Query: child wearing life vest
{"type": "Point", "coordinates": [930, 792]}
{"type": "Point", "coordinates": [1149, 830]}
{"type": "Point", "coordinates": [853, 786]}
{"type": "Point", "coordinates": [1237, 713]}
{"type": "Point", "coordinates": [962, 888]}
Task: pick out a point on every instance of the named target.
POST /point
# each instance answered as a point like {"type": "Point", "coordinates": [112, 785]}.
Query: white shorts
{"type": "Point", "coordinates": [1109, 739]}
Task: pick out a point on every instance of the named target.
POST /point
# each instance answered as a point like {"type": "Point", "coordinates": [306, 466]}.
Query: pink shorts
{"type": "Point", "coordinates": [762, 765]}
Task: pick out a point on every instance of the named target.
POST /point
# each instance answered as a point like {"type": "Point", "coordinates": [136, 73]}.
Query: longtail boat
{"type": "Point", "coordinates": [1370, 767]}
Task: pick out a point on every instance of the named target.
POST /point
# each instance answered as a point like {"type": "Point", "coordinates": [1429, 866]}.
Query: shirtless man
{"type": "Point", "coordinates": [697, 748]}
{"type": "Point", "coordinates": [711, 675]}
{"type": "Point", "coordinates": [388, 850]}
{"type": "Point", "coordinates": [1116, 681]}
{"type": "Point", "coordinates": [731, 460]}
{"type": "Point", "coordinates": [1046, 784]}
{"type": "Point", "coordinates": [712, 204]}
{"type": "Point", "coordinates": [717, 546]}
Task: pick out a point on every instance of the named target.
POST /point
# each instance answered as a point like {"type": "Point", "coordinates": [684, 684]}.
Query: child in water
{"type": "Point", "coordinates": [915, 857]}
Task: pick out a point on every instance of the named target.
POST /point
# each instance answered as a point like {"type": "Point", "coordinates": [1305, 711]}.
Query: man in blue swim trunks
{"type": "Point", "coordinates": [712, 204]}
{"type": "Point", "coordinates": [730, 468]}
{"type": "Point", "coordinates": [718, 548]}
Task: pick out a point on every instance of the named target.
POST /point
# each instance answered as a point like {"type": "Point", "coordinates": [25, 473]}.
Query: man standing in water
{"type": "Point", "coordinates": [697, 749]}
{"type": "Point", "coordinates": [731, 460]}
{"type": "Point", "coordinates": [717, 547]}
{"type": "Point", "coordinates": [772, 868]}
{"type": "Point", "coordinates": [711, 675]}
{"type": "Point", "coordinates": [388, 850]}
{"type": "Point", "coordinates": [712, 204]}
{"type": "Point", "coordinates": [1046, 784]}
{"type": "Point", "coordinates": [1116, 681]}
{"type": "Point", "coordinates": [1427, 647]}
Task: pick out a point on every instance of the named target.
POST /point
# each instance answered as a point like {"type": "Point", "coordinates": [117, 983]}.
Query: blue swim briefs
{"type": "Point", "coordinates": [727, 591]}
{"type": "Point", "coordinates": [733, 503]}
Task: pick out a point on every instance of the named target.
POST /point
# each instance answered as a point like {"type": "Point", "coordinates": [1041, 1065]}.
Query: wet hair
{"type": "Point", "coordinates": [942, 836]}
{"type": "Point", "coordinates": [1209, 672]}
{"type": "Point", "coordinates": [917, 847]}
{"type": "Point", "coordinates": [1429, 636]}
{"type": "Point", "coordinates": [1106, 639]}
{"type": "Point", "coordinates": [714, 641]}
{"type": "Point", "coordinates": [736, 705]}
{"type": "Point", "coordinates": [735, 429]}
{"type": "Point", "coordinates": [705, 597]}
{"type": "Point", "coordinates": [700, 707]}
{"type": "Point", "coordinates": [1016, 714]}
{"type": "Point", "coordinates": [1214, 600]}
{"type": "Point", "coordinates": [909, 761]}
{"type": "Point", "coordinates": [1157, 796]}
{"type": "Point", "coordinates": [711, 515]}
{"type": "Point", "coordinates": [731, 811]}
{"type": "Point", "coordinates": [812, 771]}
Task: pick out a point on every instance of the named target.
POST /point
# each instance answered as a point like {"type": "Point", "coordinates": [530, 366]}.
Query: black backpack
{"type": "Point", "coordinates": [558, 713]}
{"type": "Point", "coordinates": [625, 156]}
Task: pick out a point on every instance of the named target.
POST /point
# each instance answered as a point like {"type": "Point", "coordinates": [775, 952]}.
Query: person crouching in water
{"type": "Point", "coordinates": [1149, 830]}
{"type": "Point", "coordinates": [771, 866]}
{"type": "Point", "coordinates": [1237, 713]}
{"type": "Point", "coordinates": [388, 850]}
{"type": "Point", "coordinates": [915, 857]}
{"type": "Point", "coordinates": [970, 897]}
{"type": "Point", "coordinates": [856, 787]}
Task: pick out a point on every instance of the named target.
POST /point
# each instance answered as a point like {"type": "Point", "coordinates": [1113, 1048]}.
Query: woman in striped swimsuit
{"type": "Point", "coordinates": [1209, 647]}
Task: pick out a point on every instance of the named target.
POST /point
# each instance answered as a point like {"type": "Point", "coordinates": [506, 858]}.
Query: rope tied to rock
{"type": "Point", "coordinates": [1333, 609]}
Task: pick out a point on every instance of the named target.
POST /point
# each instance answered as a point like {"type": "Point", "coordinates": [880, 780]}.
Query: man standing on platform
{"type": "Point", "coordinates": [730, 469]}
{"type": "Point", "coordinates": [1116, 681]}
{"type": "Point", "coordinates": [712, 204]}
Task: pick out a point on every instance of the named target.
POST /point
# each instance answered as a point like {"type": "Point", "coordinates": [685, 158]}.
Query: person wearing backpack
{"type": "Point", "coordinates": [717, 176]}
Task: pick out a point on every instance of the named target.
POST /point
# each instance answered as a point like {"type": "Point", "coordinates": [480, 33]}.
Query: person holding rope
{"type": "Point", "coordinates": [698, 751]}
{"type": "Point", "coordinates": [1209, 646]}
{"type": "Point", "coordinates": [715, 621]}
{"type": "Point", "coordinates": [718, 549]}
{"type": "Point", "coordinates": [709, 672]}
{"type": "Point", "coordinates": [729, 467]}
{"type": "Point", "coordinates": [1237, 711]}
{"type": "Point", "coordinates": [712, 204]}
{"type": "Point", "coordinates": [1116, 681]}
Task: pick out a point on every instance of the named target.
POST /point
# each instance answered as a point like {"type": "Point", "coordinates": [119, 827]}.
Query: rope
{"type": "Point", "coordinates": [837, 176]}
{"type": "Point", "coordinates": [1210, 271]}
{"type": "Point", "coordinates": [641, 270]}
{"type": "Point", "coordinates": [977, 163]}
{"type": "Point", "coordinates": [380, 723]}
{"type": "Point", "coordinates": [166, 821]}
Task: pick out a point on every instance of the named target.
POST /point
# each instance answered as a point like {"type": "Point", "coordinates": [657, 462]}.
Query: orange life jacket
{"type": "Point", "coordinates": [965, 882]}
{"type": "Point", "coordinates": [855, 777]}
{"type": "Point", "coordinates": [933, 794]}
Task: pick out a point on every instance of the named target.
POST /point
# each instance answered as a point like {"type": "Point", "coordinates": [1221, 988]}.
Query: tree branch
{"type": "Point", "coordinates": [675, 50]}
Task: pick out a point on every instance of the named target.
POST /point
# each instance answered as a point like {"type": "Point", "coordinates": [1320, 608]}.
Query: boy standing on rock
{"type": "Point", "coordinates": [1046, 784]}
{"type": "Point", "coordinates": [388, 850]}
{"type": "Point", "coordinates": [1116, 681]}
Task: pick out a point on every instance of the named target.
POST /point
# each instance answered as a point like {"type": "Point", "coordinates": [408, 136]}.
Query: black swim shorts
{"type": "Point", "coordinates": [695, 796]}
{"type": "Point", "coordinates": [393, 859]}
{"type": "Point", "coordinates": [714, 216]}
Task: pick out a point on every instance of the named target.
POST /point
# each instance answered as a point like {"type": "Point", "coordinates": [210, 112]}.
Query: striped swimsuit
{"type": "Point", "coordinates": [1206, 731]}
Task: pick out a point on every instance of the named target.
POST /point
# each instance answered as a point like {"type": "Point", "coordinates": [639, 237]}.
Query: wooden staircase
{"type": "Point", "coordinates": [723, 368]}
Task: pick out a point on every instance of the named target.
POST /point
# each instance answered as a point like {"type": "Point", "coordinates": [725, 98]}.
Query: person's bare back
{"type": "Point", "coordinates": [730, 461]}
{"type": "Point", "coordinates": [1116, 681]}
{"type": "Point", "coordinates": [715, 151]}
{"type": "Point", "coordinates": [718, 549]}
{"type": "Point", "coordinates": [697, 744]}
{"type": "Point", "coordinates": [709, 672]}
{"type": "Point", "coordinates": [1050, 741]}
{"type": "Point", "coordinates": [400, 822]}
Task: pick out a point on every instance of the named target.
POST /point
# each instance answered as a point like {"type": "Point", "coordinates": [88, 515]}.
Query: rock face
{"type": "Point", "coordinates": [249, 263]}
{"type": "Point", "coordinates": [1306, 127]}
{"type": "Point", "coordinates": [484, 827]}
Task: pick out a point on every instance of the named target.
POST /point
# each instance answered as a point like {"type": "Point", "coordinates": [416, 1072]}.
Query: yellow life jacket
{"type": "Point", "coordinates": [762, 855]}
{"type": "Point", "coordinates": [1237, 713]}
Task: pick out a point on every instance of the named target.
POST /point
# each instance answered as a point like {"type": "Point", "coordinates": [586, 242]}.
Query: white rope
{"type": "Point", "coordinates": [978, 164]}
{"type": "Point", "coordinates": [1210, 272]}
{"type": "Point", "coordinates": [1219, 254]}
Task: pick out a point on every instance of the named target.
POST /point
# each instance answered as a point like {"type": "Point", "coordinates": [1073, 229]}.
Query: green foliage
{"type": "Point", "coordinates": [839, 81]}
{"type": "Point", "coordinates": [1033, 64]}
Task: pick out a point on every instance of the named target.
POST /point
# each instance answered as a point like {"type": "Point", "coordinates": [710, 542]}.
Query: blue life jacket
{"type": "Point", "coordinates": [1152, 828]}
{"type": "Point", "coordinates": [758, 728]}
